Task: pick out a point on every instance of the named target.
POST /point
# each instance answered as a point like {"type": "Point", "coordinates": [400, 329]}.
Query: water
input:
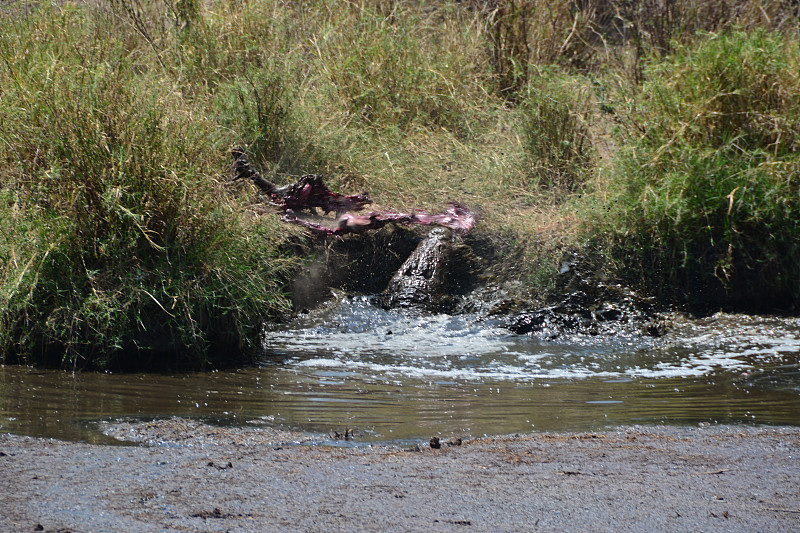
{"type": "Point", "coordinates": [397, 378]}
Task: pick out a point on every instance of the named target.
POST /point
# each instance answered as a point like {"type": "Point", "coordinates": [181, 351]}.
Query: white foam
{"type": "Point", "coordinates": [499, 372]}
{"type": "Point", "coordinates": [355, 337]}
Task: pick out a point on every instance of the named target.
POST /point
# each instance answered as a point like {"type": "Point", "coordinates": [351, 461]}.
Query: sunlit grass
{"type": "Point", "coordinates": [706, 192]}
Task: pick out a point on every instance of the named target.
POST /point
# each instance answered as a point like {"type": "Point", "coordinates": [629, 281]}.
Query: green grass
{"type": "Point", "coordinates": [707, 189]}
{"type": "Point", "coordinates": [121, 250]}
{"type": "Point", "coordinates": [629, 132]}
{"type": "Point", "coordinates": [556, 139]}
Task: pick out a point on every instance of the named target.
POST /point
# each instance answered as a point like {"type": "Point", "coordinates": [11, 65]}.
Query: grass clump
{"type": "Point", "coordinates": [708, 183]}
{"type": "Point", "coordinates": [120, 250]}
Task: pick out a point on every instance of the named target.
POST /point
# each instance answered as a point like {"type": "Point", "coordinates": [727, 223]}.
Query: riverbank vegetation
{"type": "Point", "coordinates": [659, 139]}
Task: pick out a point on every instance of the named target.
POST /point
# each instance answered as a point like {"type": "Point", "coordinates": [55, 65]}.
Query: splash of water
{"type": "Point", "coordinates": [354, 337]}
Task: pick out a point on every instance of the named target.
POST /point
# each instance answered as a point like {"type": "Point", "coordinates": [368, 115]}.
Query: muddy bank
{"type": "Point", "coordinates": [440, 271]}
{"type": "Point", "coordinates": [191, 477]}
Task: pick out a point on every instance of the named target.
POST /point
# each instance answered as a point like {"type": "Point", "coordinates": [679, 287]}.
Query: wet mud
{"type": "Point", "coordinates": [440, 271]}
{"type": "Point", "coordinates": [182, 475]}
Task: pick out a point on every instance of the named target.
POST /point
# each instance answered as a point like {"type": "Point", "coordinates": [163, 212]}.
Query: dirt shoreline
{"type": "Point", "coordinates": [187, 476]}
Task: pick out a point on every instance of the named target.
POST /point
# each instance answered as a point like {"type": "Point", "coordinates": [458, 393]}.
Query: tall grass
{"type": "Point", "coordinates": [709, 180]}
{"type": "Point", "coordinates": [389, 72]}
{"type": "Point", "coordinates": [591, 35]}
{"type": "Point", "coordinates": [121, 251]}
{"type": "Point", "coordinates": [124, 245]}
{"type": "Point", "coordinates": [556, 138]}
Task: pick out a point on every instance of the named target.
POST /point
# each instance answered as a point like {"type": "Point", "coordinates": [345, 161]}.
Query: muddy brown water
{"type": "Point", "coordinates": [394, 378]}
